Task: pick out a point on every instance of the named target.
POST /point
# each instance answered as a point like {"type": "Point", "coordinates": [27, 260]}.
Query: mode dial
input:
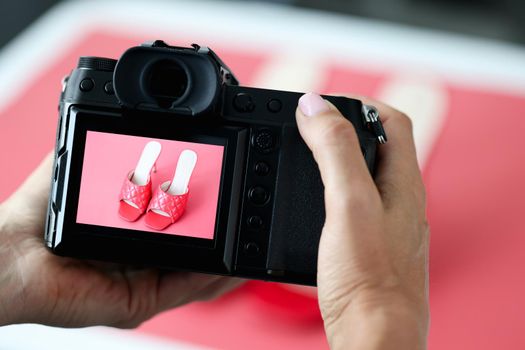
{"type": "Point", "coordinates": [97, 63]}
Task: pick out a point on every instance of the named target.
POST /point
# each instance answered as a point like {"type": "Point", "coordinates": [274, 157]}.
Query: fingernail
{"type": "Point", "coordinates": [312, 104]}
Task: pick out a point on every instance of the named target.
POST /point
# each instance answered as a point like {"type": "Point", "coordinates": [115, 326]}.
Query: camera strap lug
{"type": "Point", "coordinates": [371, 117]}
{"type": "Point", "coordinates": [64, 82]}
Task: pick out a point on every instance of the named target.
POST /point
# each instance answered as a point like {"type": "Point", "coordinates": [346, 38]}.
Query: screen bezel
{"type": "Point", "coordinates": [165, 248]}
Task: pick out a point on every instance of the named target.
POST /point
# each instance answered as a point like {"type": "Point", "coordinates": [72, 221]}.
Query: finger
{"type": "Point", "coordinates": [335, 146]}
{"type": "Point", "coordinates": [219, 288]}
{"type": "Point", "coordinates": [174, 289]}
{"type": "Point", "coordinates": [29, 203]}
{"type": "Point", "coordinates": [179, 288]}
{"type": "Point", "coordinates": [35, 189]}
{"type": "Point", "coordinates": [397, 173]}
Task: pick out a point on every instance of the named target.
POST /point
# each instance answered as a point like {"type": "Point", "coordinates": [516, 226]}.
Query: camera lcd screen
{"type": "Point", "coordinates": [109, 158]}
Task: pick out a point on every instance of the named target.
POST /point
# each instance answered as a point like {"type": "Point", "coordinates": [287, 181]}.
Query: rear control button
{"type": "Point", "coordinates": [258, 195]}
{"type": "Point", "coordinates": [243, 102]}
{"type": "Point", "coordinates": [274, 105]}
{"type": "Point", "coordinates": [255, 221]}
{"type": "Point", "coordinates": [263, 141]}
{"type": "Point", "coordinates": [87, 84]}
{"type": "Point", "coordinates": [261, 169]}
{"type": "Point", "coordinates": [251, 248]}
{"type": "Point", "coordinates": [108, 88]}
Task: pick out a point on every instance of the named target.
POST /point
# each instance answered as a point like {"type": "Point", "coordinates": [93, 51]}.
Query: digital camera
{"type": "Point", "coordinates": [163, 160]}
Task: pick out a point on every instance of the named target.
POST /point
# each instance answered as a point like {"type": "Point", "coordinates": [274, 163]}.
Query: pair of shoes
{"type": "Point", "coordinates": [167, 204]}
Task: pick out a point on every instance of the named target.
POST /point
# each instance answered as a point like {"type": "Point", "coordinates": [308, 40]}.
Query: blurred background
{"type": "Point", "coordinates": [456, 67]}
{"type": "Point", "coordinates": [495, 19]}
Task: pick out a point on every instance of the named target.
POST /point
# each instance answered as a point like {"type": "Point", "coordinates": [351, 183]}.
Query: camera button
{"type": "Point", "coordinates": [243, 102]}
{"type": "Point", "coordinates": [255, 221]}
{"type": "Point", "coordinates": [87, 85]}
{"type": "Point", "coordinates": [251, 248]}
{"type": "Point", "coordinates": [261, 169]}
{"type": "Point", "coordinates": [108, 88]}
{"type": "Point", "coordinates": [263, 141]}
{"type": "Point", "coordinates": [258, 195]}
{"type": "Point", "coordinates": [274, 105]}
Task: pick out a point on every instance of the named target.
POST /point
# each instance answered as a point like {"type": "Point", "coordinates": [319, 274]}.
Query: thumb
{"type": "Point", "coordinates": [335, 147]}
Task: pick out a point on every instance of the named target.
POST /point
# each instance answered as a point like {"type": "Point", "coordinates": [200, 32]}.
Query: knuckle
{"type": "Point", "coordinates": [359, 201]}
{"type": "Point", "coordinates": [405, 121]}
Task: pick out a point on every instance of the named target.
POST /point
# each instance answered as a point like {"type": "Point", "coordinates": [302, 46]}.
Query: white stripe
{"type": "Point", "coordinates": [422, 97]}
{"type": "Point", "coordinates": [349, 40]}
{"type": "Point", "coordinates": [291, 70]}
{"type": "Point", "coordinates": [33, 337]}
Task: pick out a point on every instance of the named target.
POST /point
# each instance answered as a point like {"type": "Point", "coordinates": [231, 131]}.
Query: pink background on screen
{"type": "Point", "coordinates": [109, 157]}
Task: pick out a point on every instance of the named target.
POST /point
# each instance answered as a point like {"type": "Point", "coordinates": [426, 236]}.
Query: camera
{"type": "Point", "coordinates": [163, 160]}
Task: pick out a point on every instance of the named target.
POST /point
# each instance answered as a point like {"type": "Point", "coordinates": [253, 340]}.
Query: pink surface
{"type": "Point", "coordinates": [108, 158]}
{"type": "Point", "coordinates": [475, 188]}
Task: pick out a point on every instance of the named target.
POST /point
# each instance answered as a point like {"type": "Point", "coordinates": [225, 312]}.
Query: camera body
{"type": "Point", "coordinates": [265, 214]}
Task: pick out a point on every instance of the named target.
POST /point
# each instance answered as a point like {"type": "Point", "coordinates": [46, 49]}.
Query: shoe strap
{"type": "Point", "coordinates": [139, 195]}
{"type": "Point", "coordinates": [173, 205]}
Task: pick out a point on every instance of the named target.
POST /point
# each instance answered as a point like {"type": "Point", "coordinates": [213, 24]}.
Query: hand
{"type": "Point", "coordinates": [373, 254]}
{"type": "Point", "coordinates": [39, 287]}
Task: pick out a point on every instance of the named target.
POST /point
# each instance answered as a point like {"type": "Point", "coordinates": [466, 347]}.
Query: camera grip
{"type": "Point", "coordinates": [298, 212]}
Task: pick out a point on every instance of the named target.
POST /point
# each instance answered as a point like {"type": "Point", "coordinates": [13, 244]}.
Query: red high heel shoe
{"type": "Point", "coordinates": [169, 200]}
{"type": "Point", "coordinates": [135, 193]}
